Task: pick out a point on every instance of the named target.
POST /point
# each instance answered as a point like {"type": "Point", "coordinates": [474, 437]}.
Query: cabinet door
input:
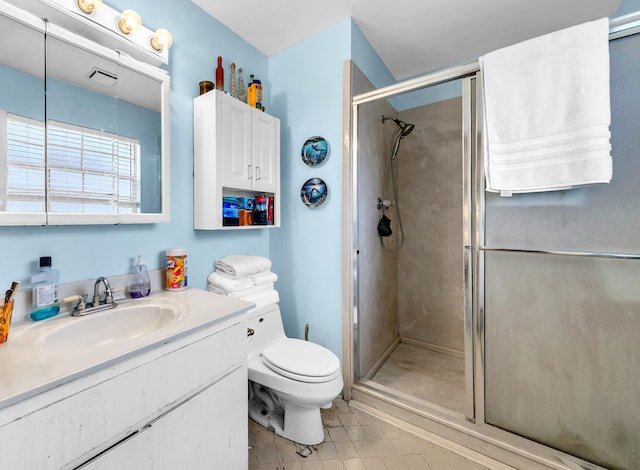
{"type": "Point", "coordinates": [207, 431]}
{"type": "Point", "coordinates": [237, 169]}
{"type": "Point", "coordinates": [132, 453]}
{"type": "Point", "coordinates": [265, 138]}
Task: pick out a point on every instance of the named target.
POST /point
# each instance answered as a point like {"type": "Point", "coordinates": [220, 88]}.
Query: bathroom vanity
{"type": "Point", "coordinates": [165, 391]}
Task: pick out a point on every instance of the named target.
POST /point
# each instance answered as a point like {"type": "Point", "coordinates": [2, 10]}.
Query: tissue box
{"type": "Point", "coordinates": [230, 211]}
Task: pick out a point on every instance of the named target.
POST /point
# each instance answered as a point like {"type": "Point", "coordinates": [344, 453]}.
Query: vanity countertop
{"type": "Point", "coordinates": [29, 367]}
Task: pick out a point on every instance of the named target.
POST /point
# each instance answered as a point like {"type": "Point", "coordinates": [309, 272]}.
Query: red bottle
{"type": "Point", "coordinates": [220, 75]}
{"type": "Point", "coordinates": [270, 204]}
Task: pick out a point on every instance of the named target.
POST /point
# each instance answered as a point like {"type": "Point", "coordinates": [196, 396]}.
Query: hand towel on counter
{"type": "Point", "coordinates": [547, 111]}
{"type": "Point", "coordinates": [237, 266]}
{"type": "Point", "coordinates": [240, 293]}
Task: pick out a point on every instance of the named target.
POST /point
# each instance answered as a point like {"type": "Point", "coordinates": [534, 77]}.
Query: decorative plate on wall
{"type": "Point", "coordinates": [315, 150]}
{"type": "Point", "coordinates": [314, 192]}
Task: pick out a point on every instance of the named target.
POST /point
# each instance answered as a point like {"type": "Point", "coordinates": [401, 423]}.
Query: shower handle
{"type": "Point", "coordinates": [384, 203]}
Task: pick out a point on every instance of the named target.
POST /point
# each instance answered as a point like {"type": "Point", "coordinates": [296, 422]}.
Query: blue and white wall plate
{"type": "Point", "coordinates": [314, 192]}
{"type": "Point", "coordinates": [315, 150]}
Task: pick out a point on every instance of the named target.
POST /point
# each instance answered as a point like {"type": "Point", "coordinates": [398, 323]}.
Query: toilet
{"type": "Point", "coordinates": [289, 379]}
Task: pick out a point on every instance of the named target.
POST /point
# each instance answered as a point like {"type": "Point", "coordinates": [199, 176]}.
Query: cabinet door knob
{"type": "Point", "coordinates": [249, 171]}
{"type": "Point", "coordinates": [258, 173]}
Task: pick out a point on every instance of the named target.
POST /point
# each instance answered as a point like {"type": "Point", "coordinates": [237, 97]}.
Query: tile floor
{"type": "Point", "coordinates": [355, 440]}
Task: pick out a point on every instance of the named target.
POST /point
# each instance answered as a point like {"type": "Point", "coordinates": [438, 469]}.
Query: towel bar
{"type": "Point", "coordinates": [563, 253]}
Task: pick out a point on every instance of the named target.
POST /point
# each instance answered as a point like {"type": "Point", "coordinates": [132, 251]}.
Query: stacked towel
{"type": "Point", "coordinates": [238, 266]}
{"type": "Point", "coordinates": [245, 277]}
{"type": "Point", "coordinates": [547, 111]}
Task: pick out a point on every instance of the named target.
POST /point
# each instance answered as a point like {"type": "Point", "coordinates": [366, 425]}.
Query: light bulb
{"type": "Point", "coordinates": [88, 6]}
{"type": "Point", "coordinates": [161, 39]}
{"type": "Point", "coordinates": [130, 22]}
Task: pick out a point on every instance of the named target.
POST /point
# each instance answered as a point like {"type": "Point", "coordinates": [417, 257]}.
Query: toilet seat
{"type": "Point", "coordinates": [301, 360]}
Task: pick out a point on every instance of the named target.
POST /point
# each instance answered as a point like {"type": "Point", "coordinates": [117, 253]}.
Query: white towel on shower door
{"type": "Point", "coordinates": [547, 111]}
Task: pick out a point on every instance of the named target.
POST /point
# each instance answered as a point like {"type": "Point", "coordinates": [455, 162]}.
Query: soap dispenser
{"type": "Point", "coordinates": [140, 285]}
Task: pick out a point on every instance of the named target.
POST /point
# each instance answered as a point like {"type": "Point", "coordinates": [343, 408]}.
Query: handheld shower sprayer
{"type": "Point", "coordinates": [402, 130]}
{"type": "Point", "coordinates": [404, 127]}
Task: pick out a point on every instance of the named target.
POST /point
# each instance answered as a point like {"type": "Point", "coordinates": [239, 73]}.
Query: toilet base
{"type": "Point", "coordinates": [302, 425]}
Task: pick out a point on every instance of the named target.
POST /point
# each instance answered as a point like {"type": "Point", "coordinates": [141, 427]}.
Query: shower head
{"type": "Point", "coordinates": [404, 127]}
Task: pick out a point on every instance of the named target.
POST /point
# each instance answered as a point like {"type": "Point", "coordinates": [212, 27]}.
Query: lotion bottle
{"type": "Point", "coordinates": [140, 285]}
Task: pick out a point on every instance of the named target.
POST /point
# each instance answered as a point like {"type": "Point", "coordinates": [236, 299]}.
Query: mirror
{"type": "Point", "coordinates": [22, 187]}
{"type": "Point", "coordinates": [105, 158]}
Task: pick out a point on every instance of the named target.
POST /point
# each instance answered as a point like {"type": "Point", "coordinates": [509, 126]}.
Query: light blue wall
{"type": "Point", "coordinates": [307, 97]}
{"type": "Point", "coordinates": [626, 7]}
{"type": "Point", "coordinates": [22, 93]}
{"type": "Point", "coordinates": [89, 251]}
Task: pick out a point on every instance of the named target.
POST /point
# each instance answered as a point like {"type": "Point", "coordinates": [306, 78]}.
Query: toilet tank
{"type": "Point", "coordinates": [266, 324]}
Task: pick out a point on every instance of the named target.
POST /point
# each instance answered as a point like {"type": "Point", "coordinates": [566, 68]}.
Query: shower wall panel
{"type": "Point", "coordinates": [430, 266]}
{"type": "Point", "coordinates": [561, 346]}
{"type": "Point", "coordinates": [377, 270]}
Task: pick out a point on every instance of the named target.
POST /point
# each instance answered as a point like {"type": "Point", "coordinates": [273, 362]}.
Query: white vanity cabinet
{"type": "Point", "coordinates": [236, 154]}
{"type": "Point", "coordinates": [180, 402]}
{"type": "Point", "coordinates": [209, 427]}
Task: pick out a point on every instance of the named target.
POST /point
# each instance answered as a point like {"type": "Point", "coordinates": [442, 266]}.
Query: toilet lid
{"type": "Point", "coordinates": [301, 360]}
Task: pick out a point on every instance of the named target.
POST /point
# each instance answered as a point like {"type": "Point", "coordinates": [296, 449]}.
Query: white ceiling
{"type": "Point", "coordinates": [412, 37]}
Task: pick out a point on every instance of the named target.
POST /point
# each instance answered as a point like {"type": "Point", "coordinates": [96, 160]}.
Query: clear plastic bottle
{"type": "Point", "coordinates": [140, 285]}
{"type": "Point", "coordinates": [232, 81]}
{"type": "Point", "coordinates": [44, 285]}
{"type": "Point", "coordinates": [242, 91]}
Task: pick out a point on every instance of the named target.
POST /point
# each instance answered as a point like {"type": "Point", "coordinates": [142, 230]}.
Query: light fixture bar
{"type": "Point", "coordinates": [102, 22]}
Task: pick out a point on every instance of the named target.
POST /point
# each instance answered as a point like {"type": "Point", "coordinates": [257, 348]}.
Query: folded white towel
{"type": "Point", "coordinates": [547, 110]}
{"type": "Point", "coordinates": [264, 298]}
{"type": "Point", "coordinates": [237, 266]}
{"type": "Point", "coordinates": [264, 277]}
{"type": "Point", "coordinates": [240, 293]}
{"type": "Point", "coordinates": [229, 285]}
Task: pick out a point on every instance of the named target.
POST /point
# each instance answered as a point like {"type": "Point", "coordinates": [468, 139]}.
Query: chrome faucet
{"type": "Point", "coordinates": [84, 308]}
{"type": "Point", "coordinates": [108, 292]}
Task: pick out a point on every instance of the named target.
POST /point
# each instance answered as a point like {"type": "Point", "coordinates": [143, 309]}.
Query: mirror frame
{"type": "Point", "coordinates": [122, 59]}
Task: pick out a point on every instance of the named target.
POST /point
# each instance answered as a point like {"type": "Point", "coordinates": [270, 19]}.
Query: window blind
{"type": "Point", "coordinates": [84, 170]}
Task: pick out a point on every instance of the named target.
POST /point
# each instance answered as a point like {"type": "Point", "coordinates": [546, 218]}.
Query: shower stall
{"type": "Point", "coordinates": [411, 180]}
{"type": "Point", "coordinates": [504, 324]}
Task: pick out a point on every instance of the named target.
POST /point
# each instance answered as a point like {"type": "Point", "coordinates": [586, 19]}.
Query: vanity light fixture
{"type": "Point", "coordinates": [96, 19]}
{"type": "Point", "coordinates": [161, 39]}
{"type": "Point", "coordinates": [130, 22]}
{"type": "Point", "coordinates": [88, 6]}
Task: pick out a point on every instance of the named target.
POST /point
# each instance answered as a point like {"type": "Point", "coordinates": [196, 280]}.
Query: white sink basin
{"type": "Point", "coordinates": [107, 328]}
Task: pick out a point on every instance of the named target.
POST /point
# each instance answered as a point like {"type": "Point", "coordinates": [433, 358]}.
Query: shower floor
{"type": "Point", "coordinates": [425, 374]}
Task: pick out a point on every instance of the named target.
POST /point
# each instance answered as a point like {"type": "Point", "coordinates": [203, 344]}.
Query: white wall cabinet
{"type": "Point", "coordinates": [236, 154]}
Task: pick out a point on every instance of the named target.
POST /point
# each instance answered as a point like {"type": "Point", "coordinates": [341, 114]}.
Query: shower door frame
{"type": "Point", "coordinates": [472, 228]}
